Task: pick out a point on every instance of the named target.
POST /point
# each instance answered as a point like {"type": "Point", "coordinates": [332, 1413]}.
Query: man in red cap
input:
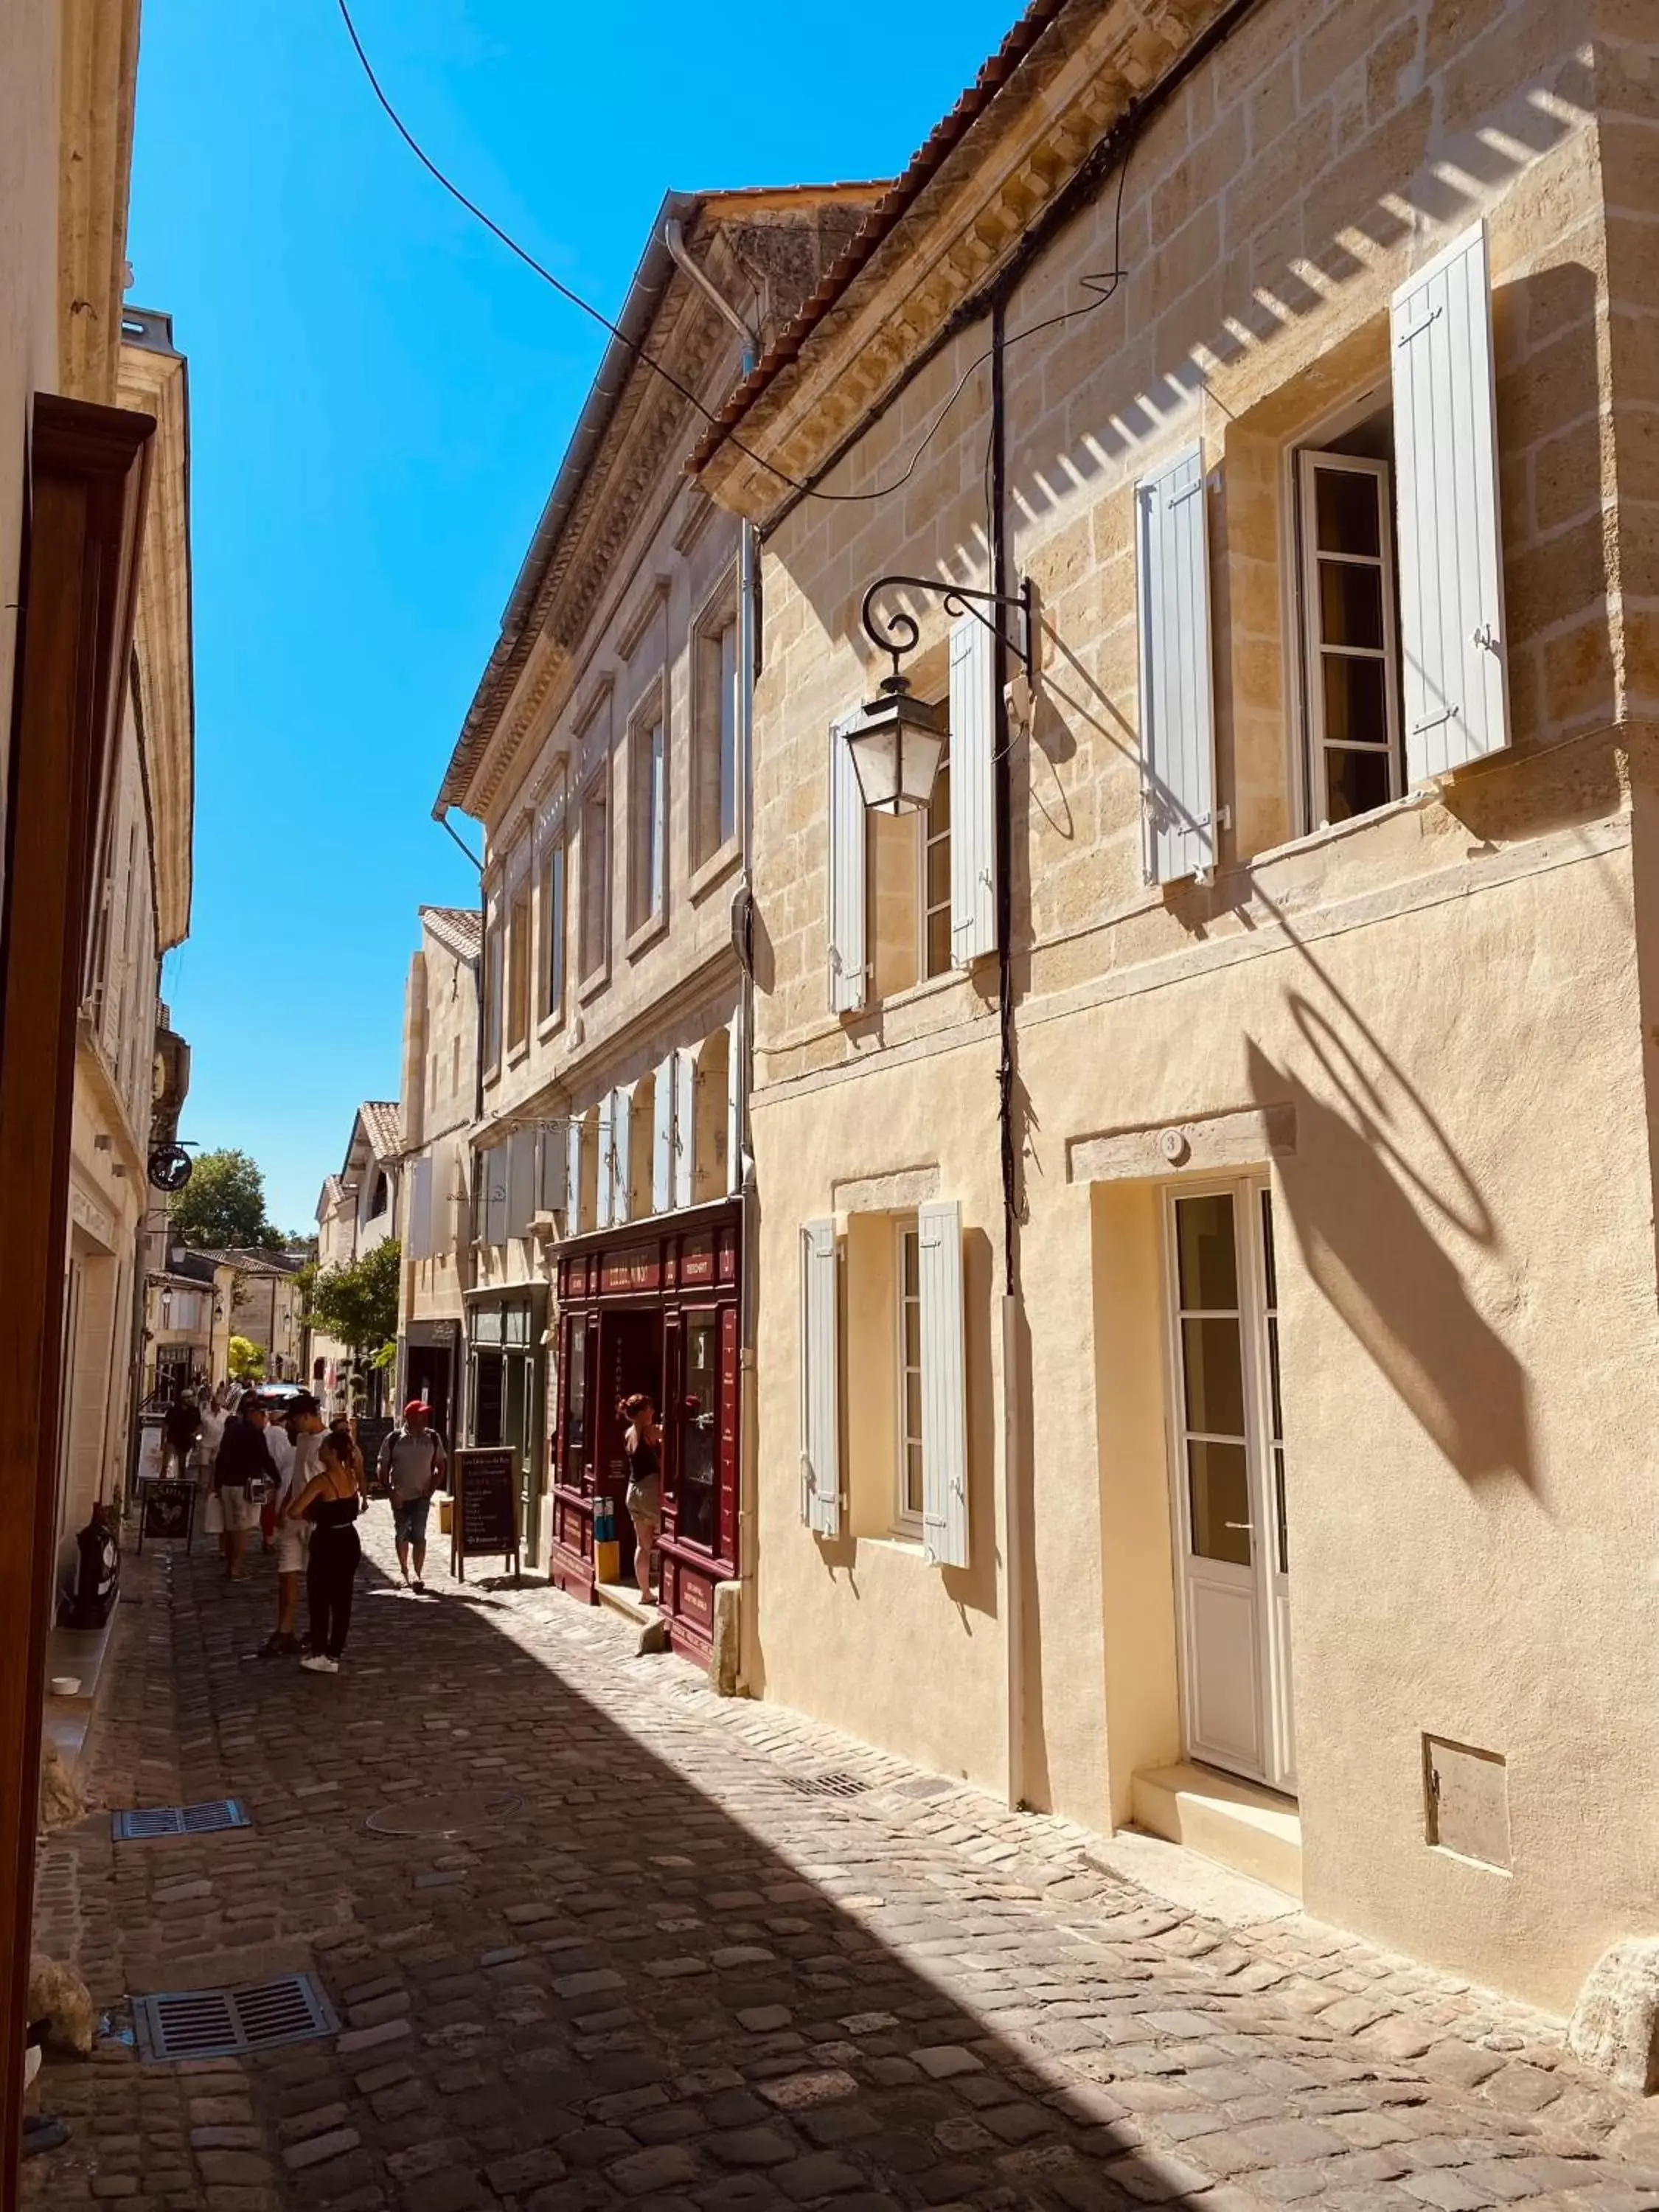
{"type": "Point", "coordinates": [412, 1463]}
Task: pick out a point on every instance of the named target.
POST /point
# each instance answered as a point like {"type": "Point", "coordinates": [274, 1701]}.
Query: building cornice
{"type": "Point", "coordinates": [98, 65]}
{"type": "Point", "coordinates": [939, 257]}
{"type": "Point", "coordinates": [157, 384]}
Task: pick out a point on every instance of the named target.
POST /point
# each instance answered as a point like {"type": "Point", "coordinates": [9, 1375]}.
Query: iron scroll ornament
{"type": "Point", "coordinates": [170, 1167]}
{"type": "Point", "coordinates": [900, 633]}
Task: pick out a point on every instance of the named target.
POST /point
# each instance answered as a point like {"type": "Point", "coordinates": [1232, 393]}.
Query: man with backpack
{"type": "Point", "coordinates": [412, 1463]}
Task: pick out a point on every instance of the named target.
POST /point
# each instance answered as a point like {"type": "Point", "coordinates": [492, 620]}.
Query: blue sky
{"type": "Point", "coordinates": [381, 396]}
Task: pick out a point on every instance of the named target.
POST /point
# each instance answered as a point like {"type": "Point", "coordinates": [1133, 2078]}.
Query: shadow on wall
{"type": "Point", "coordinates": [1370, 1170]}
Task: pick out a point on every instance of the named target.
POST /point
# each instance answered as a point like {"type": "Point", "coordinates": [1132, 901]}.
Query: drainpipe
{"type": "Point", "coordinates": [748, 657]}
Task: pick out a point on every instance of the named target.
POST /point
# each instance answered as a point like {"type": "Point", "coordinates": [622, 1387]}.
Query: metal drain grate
{"type": "Point", "coordinates": [221, 2023]}
{"type": "Point", "coordinates": [130, 1826]}
{"type": "Point", "coordinates": [826, 1786]}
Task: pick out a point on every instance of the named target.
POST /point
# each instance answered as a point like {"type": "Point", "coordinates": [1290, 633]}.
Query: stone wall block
{"type": "Point", "coordinates": [1615, 2024]}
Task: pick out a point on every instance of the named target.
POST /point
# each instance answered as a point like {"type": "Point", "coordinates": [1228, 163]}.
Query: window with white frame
{"type": "Point", "coordinates": [714, 719]}
{"type": "Point", "coordinates": [593, 946]}
{"type": "Point", "coordinates": [1344, 513]}
{"type": "Point", "coordinates": [908, 873]}
{"type": "Point", "coordinates": [518, 966]}
{"type": "Point", "coordinates": [934, 903]}
{"type": "Point", "coordinates": [492, 995]}
{"type": "Point", "coordinates": [648, 807]}
{"type": "Point", "coordinates": [908, 1276]}
{"type": "Point", "coordinates": [553, 927]}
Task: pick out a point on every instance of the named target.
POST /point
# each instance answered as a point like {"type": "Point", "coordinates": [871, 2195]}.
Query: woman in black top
{"type": "Point", "coordinates": [643, 1441]}
{"type": "Point", "coordinates": [330, 1502]}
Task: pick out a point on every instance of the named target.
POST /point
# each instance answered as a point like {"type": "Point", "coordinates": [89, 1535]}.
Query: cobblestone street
{"type": "Point", "coordinates": [689, 1952]}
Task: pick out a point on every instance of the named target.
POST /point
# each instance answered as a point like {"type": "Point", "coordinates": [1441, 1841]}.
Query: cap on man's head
{"type": "Point", "coordinates": [301, 1405]}
{"type": "Point", "coordinates": [416, 1406]}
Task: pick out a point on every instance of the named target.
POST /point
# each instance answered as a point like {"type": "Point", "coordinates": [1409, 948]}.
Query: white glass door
{"type": "Point", "coordinates": [1228, 1482]}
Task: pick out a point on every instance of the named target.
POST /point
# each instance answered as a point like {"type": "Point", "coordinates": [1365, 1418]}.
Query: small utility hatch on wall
{"type": "Point", "coordinates": [1465, 1799]}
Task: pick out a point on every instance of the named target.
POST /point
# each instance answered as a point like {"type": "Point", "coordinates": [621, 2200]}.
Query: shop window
{"type": "Point", "coordinates": [700, 1431]}
{"type": "Point", "coordinates": [714, 770]}
{"type": "Point", "coordinates": [576, 1399]}
{"type": "Point", "coordinates": [1350, 633]}
{"type": "Point", "coordinates": [489, 1398]}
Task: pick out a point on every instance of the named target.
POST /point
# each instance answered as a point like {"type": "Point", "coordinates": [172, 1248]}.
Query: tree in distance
{"type": "Point", "coordinates": [357, 1305]}
{"type": "Point", "coordinates": [248, 1361]}
{"type": "Point", "coordinates": [223, 1205]}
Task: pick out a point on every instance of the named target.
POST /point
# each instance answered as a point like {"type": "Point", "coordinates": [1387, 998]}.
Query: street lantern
{"type": "Point", "coordinates": [896, 746]}
{"type": "Point", "coordinates": [898, 740]}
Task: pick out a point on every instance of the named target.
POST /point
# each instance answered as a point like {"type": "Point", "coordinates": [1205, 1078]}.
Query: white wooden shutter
{"type": "Point", "coordinates": [847, 835]}
{"type": "Point", "coordinates": [495, 1166]}
{"type": "Point", "coordinates": [418, 1234]}
{"type": "Point", "coordinates": [820, 1381]}
{"type": "Point", "coordinates": [520, 1181]}
{"type": "Point", "coordinates": [662, 1146]}
{"type": "Point", "coordinates": [573, 1176]}
{"type": "Point", "coordinates": [602, 1199]}
{"type": "Point", "coordinates": [972, 793]}
{"type": "Point", "coordinates": [685, 1123]}
{"type": "Point", "coordinates": [944, 1387]}
{"type": "Point", "coordinates": [1177, 710]}
{"type": "Point", "coordinates": [622, 1151]}
{"type": "Point", "coordinates": [734, 1106]}
{"type": "Point", "coordinates": [1453, 693]}
{"type": "Point", "coordinates": [549, 1181]}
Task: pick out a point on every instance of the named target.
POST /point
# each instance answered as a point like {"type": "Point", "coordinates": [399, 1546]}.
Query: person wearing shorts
{"type": "Point", "coordinates": [241, 1474]}
{"type": "Point", "coordinates": [304, 1425]}
{"type": "Point", "coordinates": [412, 1464]}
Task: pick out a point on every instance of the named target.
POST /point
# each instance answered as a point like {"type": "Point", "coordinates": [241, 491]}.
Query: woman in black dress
{"type": "Point", "coordinates": [330, 1502]}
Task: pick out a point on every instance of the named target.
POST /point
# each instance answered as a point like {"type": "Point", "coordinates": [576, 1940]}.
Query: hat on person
{"type": "Point", "coordinates": [416, 1406]}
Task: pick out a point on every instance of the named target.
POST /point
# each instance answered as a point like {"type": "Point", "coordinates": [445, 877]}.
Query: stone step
{"type": "Point", "coordinates": [1238, 1824]}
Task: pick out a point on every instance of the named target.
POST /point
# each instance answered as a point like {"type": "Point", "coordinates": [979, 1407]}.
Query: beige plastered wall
{"type": "Point", "coordinates": [1447, 996]}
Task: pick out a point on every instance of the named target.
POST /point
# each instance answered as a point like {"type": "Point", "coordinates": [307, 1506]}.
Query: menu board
{"type": "Point", "coordinates": [371, 1435]}
{"type": "Point", "coordinates": [485, 1522]}
{"type": "Point", "coordinates": [167, 1509]}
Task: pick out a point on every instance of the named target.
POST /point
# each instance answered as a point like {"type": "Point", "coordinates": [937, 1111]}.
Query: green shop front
{"type": "Point", "coordinates": [506, 1392]}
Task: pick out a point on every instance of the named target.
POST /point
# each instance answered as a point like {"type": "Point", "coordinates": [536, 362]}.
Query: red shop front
{"type": "Point", "coordinates": [653, 1307]}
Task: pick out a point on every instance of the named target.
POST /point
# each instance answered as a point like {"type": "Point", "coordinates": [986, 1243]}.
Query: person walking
{"type": "Point", "coordinates": [412, 1463]}
{"type": "Point", "coordinates": [180, 1431]}
{"type": "Point", "coordinates": [643, 1441]}
{"type": "Point", "coordinates": [330, 1502]}
{"type": "Point", "coordinates": [241, 1473]}
{"type": "Point", "coordinates": [303, 1423]}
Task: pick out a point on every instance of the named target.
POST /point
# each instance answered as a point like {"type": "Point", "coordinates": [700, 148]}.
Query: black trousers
{"type": "Point", "coordinates": [331, 1573]}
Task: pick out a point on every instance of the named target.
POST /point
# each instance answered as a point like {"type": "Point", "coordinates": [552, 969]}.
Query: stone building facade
{"type": "Point", "coordinates": [439, 1106]}
{"type": "Point", "coordinates": [1207, 1159]}
{"type": "Point", "coordinates": [602, 756]}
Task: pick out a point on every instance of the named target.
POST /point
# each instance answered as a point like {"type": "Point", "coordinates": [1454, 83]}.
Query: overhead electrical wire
{"type": "Point", "coordinates": [1101, 286]}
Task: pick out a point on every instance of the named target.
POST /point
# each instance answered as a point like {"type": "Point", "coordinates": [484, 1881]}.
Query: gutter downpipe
{"type": "Point", "coordinates": [747, 658]}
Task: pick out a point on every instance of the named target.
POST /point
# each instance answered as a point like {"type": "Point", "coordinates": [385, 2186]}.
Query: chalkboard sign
{"type": "Point", "coordinates": [486, 1517]}
{"type": "Point", "coordinates": [371, 1435]}
{"type": "Point", "coordinates": [167, 1509]}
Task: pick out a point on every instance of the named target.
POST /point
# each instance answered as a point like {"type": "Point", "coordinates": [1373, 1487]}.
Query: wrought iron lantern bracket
{"type": "Point", "coordinates": [899, 634]}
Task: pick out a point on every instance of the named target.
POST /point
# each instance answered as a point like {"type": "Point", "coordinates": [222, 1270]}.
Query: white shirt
{"type": "Point", "coordinates": [280, 1447]}
{"type": "Point", "coordinates": [300, 1467]}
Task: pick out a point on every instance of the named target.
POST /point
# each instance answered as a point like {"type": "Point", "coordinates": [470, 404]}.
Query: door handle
{"type": "Point", "coordinates": [1239, 1524]}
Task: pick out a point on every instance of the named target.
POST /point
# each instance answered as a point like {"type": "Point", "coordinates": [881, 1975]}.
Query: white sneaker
{"type": "Point", "coordinates": [318, 1663]}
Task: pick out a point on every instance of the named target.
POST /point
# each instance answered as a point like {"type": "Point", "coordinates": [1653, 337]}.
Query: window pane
{"type": "Point", "coordinates": [938, 803]}
{"type": "Point", "coordinates": [912, 1263]}
{"type": "Point", "coordinates": [1269, 1262]}
{"type": "Point", "coordinates": [1355, 782]}
{"type": "Point", "coordinates": [1272, 1378]}
{"type": "Point", "coordinates": [1346, 507]}
{"type": "Point", "coordinates": [728, 733]}
{"type": "Point", "coordinates": [1219, 1491]}
{"type": "Point", "coordinates": [489, 1392]}
{"type": "Point", "coordinates": [912, 1479]}
{"type": "Point", "coordinates": [1279, 1511]}
{"type": "Point", "coordinates": [939, 941]}
{"type": "Point", "coordinates": [1213, 1361]}
{"type": "Point", "coordinates": [1356, 701]}
{"type": "Point", "coordinates": [939, 872]}
{"type": "Point", "coordinates": [1206, 1258]}
{"type": "Point", "coordinates": [1350, 604]}
{"type": "Point", "coordinates": [912, 1406]}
